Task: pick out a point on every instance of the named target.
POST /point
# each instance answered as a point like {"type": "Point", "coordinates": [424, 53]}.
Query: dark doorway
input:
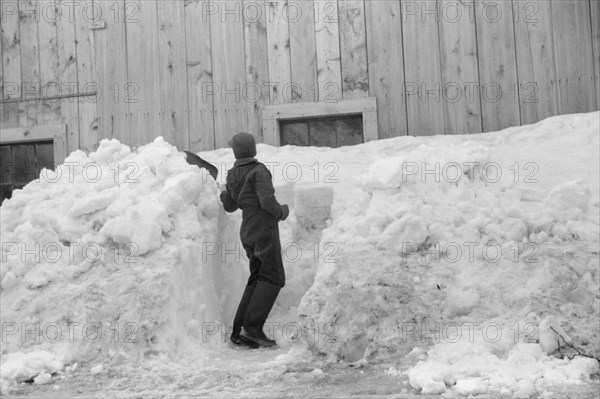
{"type": "Point", "coordinates": [20, 163]}
{"type": "Point", "coordinates": [334, 131]}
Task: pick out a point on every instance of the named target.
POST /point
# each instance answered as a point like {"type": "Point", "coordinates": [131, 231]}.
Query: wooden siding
{"type": "Point", "coordinates": [198, 71]}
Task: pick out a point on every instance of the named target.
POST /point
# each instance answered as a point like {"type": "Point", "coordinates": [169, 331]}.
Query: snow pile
{"type": "Point", "coordinates": [445, 231]}
{"type": "Point", "coordinates": [476, 363]}
{"type": "Point", "coordinates": [476, 257]}
{"type": "Point", "coordinates": [109, 258]}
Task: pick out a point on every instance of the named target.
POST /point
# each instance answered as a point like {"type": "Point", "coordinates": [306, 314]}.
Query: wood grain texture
{"type": "Point", "coordinates": [29, 110]}
{"type": "Point", "coordinates": [29, 49]}
{"type": "Point", "coordinates": [87, 82]}
{"type": "Point", "coordinates": [497, 65]}
{"type": "Point", "coordinates": [594, 18]}
{"type": "Point", "coordinates": [199, 73]}
{"type": "Point", "coordinates": [278, 41]}
{"type": "Point", "coordinates": [327, 36]}
{"type": "Point", "coordinates": [11, 54]}
{"type": "Point", "coordinates": [303, 51]}
{"type": "Point", "coordinates": [536, 61]}
{"type": "Point", "coordinates": [143, 72]}
{"type": "Point", "coordinates": [11, 66]}
{"type": "Point", "coordinates": [173, 74]}
{"type": "Point", "coordinates": [48, 42]}
{"type": "Point", "coordinates": [256, 89]}
{"type": "Point", "coordinates": [460, 76]}
{"type": "Point", "coordinates": [573, 48]}
{"type": "Point", "coordinates": [229, 72]}
{"type": "Point", "coordinates": [353, 49]}
{"type": "Point", "coordinates": [66, 54]}
{"type": "Point", "coordinates": [386, 66]}
{"type": "Point", "coordinates": [422, 70]}
{"type": "Point", "coordinates": [111, 71]}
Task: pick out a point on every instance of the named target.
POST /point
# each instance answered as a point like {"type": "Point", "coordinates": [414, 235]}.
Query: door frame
{"type": "Point", "coordinates": [56, 133]}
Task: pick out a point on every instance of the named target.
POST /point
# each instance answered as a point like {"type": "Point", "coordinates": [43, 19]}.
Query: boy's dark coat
{"type": "Point", "coordinates": [250, 188]}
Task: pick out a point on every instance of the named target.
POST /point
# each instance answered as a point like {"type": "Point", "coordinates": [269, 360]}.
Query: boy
{"type": "Point", "coordinates": [249, 188]}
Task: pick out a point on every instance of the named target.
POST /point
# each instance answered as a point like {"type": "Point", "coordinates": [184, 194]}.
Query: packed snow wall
{"type": "Point", "coordinates": [482, 249]}
{"type": "Point", "coordinates": [115, 253]}
{"type": "Point", "coordinates": [406, 246]}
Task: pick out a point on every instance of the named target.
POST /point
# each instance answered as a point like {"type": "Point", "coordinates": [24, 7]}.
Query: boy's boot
{"type": "Point", "coordinates": [238, 320]}
{"type": "Point", "coordinates": [259, 308]}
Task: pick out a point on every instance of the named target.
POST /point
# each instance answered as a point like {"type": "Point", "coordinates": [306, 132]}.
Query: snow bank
{"type": "Point", "coordinates": [393, 245]}
{"type": "Point", "coordinates": [442, 232]}
{"type": "Point", "coordinates": [108, 259]}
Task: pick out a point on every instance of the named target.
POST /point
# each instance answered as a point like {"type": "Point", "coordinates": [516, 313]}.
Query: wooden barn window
{"type": "Point", "coordinates": [322, 132]}
{"type": "Point", "coordinates": [24, 152]}
{"type": "Point", "coordinates": [293, 123]}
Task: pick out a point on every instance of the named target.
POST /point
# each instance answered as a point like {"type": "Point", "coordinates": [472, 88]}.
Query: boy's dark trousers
{"type": "Point", "coordinates": [260, 237]}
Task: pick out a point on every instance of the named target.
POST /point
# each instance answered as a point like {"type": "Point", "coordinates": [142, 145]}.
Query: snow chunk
{"type": "Point", "coordinates": [23, 366]}
{"type": "Point", "coordinates": [97, 369]}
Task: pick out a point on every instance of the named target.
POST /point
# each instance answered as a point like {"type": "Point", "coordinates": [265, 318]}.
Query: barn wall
{"type": "Point", "coordinates": [197, 71]}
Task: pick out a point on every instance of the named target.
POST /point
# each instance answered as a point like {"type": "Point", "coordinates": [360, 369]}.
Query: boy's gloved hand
{"type": "Point", "coordinates": [285, 212]}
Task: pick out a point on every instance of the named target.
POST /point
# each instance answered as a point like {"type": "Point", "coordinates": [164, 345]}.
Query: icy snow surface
{"type": "Point", "coordinates": [465, 264]}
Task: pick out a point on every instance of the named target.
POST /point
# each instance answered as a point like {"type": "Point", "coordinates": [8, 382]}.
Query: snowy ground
{"type": "Point", "coordinates": [453, 265]}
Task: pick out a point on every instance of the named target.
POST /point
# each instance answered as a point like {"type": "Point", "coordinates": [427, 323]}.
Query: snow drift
{"type": "Point", "coordinates": [110, 255]}
{"type": "Point", "coordinates": [470, 255]}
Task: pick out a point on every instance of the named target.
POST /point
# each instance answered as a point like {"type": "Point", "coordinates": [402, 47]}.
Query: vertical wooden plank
{"type": "Point", "coordinates": [386, 65]}
{"type": "Point", "coordinates": [327, 36]}
{"type": "Point", "coordinates": [536, 63]}
{"type": "Point", "coordinates": [173, 74]}
{"type": "Point", "coordinates": [29, 12]}
{"type": "Point", "coordinates": [460, 76]}
{"type": "Point", "coordinates": [10, 115]}
{"type": "Point", "coordinates": [67, 75]}
{"type": "Point", "coordinates": [256, 89]}
{"type": "Point", "coordinates": [303, 53]}
{"type": "Point", "coordinates": [143, 71]}
{"type": "Point", "coordinates": [574, 64]}
{"type": "Point", "coordinates": [497, 65]}
{"type": "Point", "coordinates": [422, 68]}
{"type": "Point", "coordinates": [30, 60]}
{"type": "Point", "coordinates": [49, 84]}
{"type": "Point", "coordinates": [29, 111]}
{"type": "Point", "coordinates": [11, 64]}
{"type": "Point", "coordinates": [47, 31]}
{"type": "Point", "coordinates": [199, 72]}
{"type": "Point", "coordinates": [594, 18]}
{"type": "Point", "coordinates": [278, 40]}
{"type": "Point", "coordinates": [111, 77]}
{"type": "Point", "coordinates": [227, 43]}
{"type": "Point", "coordinates": [353, 48]}
{"type": "Point", "coordinates": [11, 52]}
{"type": "Point", "coordinates": [1, 56]}
{"type": "Point", "coordinates": [87, 81]}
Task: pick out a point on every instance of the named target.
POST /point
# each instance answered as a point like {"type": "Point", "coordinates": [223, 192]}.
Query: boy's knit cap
{"type": "Point", "coordinates": [244, 145]}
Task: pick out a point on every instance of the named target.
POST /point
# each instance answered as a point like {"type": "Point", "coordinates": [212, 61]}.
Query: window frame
{"type": "Point", "coordinates": [26, 135]}
{"type": "Point", "coordinates": [273, 114]}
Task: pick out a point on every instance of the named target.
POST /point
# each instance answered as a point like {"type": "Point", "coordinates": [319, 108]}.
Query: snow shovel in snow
{"type": "Point", "coordinates": [194, 159]}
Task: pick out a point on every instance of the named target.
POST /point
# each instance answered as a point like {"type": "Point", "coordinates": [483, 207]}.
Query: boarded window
{"type": "Point", "coordinates": [20, 163]}
{"type": "Point", "coordinates": [333, 131]}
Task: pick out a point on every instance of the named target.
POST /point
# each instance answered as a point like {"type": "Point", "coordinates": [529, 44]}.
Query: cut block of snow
{"type": "Point", "coordinates": [470, 386]}
{"type": "Point", "coordinates": [97, 369]}
{"type": "Point", "coordinates": [23, 366]}
{"type": "Point", "coordinates": [43, 379]}
{"type": "Point", "coordinates": [552, 336]}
